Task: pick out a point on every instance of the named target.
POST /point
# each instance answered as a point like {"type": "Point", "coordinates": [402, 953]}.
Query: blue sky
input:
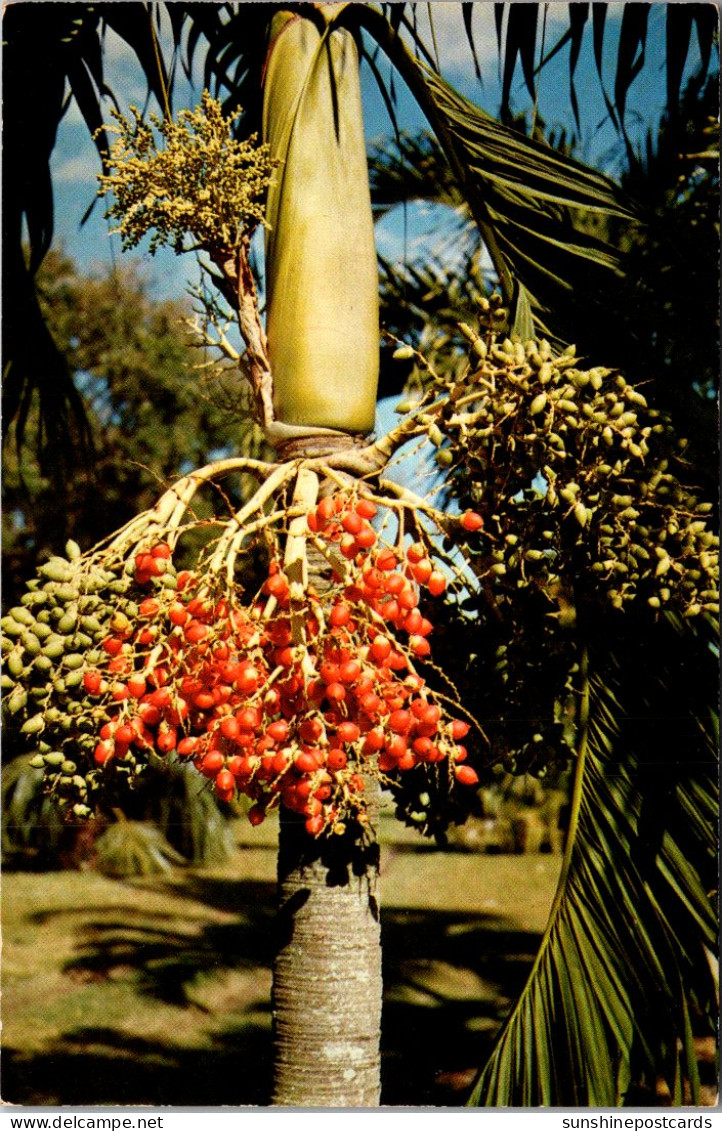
{"type": "Point", "coordinates": [75, 163]}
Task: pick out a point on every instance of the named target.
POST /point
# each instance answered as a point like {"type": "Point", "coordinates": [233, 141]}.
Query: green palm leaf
{"type": "Point", "coordinates": [621, 983]}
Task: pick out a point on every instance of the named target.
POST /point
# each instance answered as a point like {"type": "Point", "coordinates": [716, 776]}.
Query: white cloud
{"type": "Point", "coordinates": [72, 170]}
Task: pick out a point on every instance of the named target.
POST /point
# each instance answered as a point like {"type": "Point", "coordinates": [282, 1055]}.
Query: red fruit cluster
{"type": "Point", "coordinates": [271, 714]}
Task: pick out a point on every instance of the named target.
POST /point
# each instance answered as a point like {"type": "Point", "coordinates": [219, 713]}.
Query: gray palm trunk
{"type": "Point", "coordinates": [326, 975]}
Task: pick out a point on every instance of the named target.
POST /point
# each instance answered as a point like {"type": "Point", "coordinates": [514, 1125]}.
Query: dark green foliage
{"type": "Point", "coordinates": [152, 412]}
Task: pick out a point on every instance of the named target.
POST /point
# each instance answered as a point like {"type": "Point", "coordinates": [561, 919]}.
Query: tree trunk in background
{"type": "Point", "coordinates": [323, 341]}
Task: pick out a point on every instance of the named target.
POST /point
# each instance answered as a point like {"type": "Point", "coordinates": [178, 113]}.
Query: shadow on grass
{"type": "Point", "coordinates": [448, 980]}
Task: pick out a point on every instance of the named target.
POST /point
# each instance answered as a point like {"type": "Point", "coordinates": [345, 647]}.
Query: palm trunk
{"type": "Point", "coordinates": [327, 974]}
{"type": "Point", "coordinates": [322, 325]}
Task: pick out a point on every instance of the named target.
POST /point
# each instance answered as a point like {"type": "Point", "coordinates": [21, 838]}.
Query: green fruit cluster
{"type": "Point", "coordinates": [579, 483]}
{"type": "Point", "coordinates": [49, 641]}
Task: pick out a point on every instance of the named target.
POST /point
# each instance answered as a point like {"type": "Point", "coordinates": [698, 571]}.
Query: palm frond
{"type": "Point", "coordinates": [532, 206]}
{"type": "Point", "coordinates": [622, 982]}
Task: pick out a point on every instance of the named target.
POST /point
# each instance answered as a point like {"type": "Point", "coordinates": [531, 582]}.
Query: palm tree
{"type": "Point", "coordinates": [315, 377]}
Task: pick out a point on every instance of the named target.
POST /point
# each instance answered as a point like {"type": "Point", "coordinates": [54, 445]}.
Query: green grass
{"type": "Point", "coordinates": [157, 991]}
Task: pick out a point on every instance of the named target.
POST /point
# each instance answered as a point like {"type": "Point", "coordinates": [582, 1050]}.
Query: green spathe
{"type": "Point", "coordinates": [322, 281]}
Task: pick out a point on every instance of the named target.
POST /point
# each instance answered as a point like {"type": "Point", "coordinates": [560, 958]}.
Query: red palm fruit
{"type": "Point", "coordinates": [325, 510]}
{"type": "Point", "coordinates": [250, 718]}
{"type": "Point", "coordinates": [366, 537]}
{"type": "Point", "coordinates": [119, 692]}
{"type": "Point", "coordinates": [349, 672]}
{"type": "Point", "coordinates": [323, 793]}
{"type": "Point", "coordinates": [149, 607]}
{"type": "Point", "coordinates": [247, 679]}
{"type": "Point", "coordinates": [436, 583]}
{"type": "Point", "coordinates": [431, 714]}
{"type": "Point", "coordinates": [315, 824]}
{"type": "Point", "coordinates": [329, 672]}
{"type": "Point", "coordinates": [348, 731]}
{"type": "Point", "coordinates": [225, 781]}
{"type": "Point", "coordinates": [459, 729]}
{"type": "Point", "coordinates": [397, 661]}
{"type": "Point", "coordinates": [422, 747]}
{"type": "Point", "coordinates": [166, 739]}
{"type": "Point", "coordinates": [203, 700]}
{"type": "Point", "coordinates": [386, 762]}
{"type": "Point", "coordinates": [340, 615]}
{"type": "Point", "coordinates": [335, 760]}
{"type": "Point", "coordinates": [370, 704]}
{"type": "Point", "coordinates": [137, 686]}
{"type": "Point", "coordinates": [272, 700]}
{"type": "Point", "coordinates": [336, 692]}
{"type": "Point", "coordinates": [394, 583]}
{"type": "Point", "coordinates": [425, 627]}
{"type": "Point", "coordinates": [147, 635]}
{"type": "Point", "coordinates": [194, 631]}
{"type": "Point", "coordinates": [307, 761]}
{"type": "Point", "coordinates": [380, 649]}
{"type": "Point", "coordinates": [364, 684]}
{"type": "Point", "coordinates": [471, 521]}
{"type": "Point", "coordinates": [161, 550]}
{"type": "Point", "coordinates": [158, 676]}
{"type": "Point", "coordinates": [419, 646]}
{"type": "Point", "coordinates": [177, 712]}
{"type": "Point", "coordinates": [229, 727]}
{"type": "Point", "coordinates": [224, 794]}
{"type": "Point", "coordinates": [149, 712]}
{"type": "Point", "coordinates": [422, 571]}
{"type": "Point", "coordinates": [282, 759]}
{"type": "Point", "coordinates": [412, 622]}
{"type": "Point", "coordinates": [312, 521]}
{"type": "Point", "coordinates": [239, 765]}
{"type": "Point", "coordinates": [187, 746]}
{"type": "Point", "coordinates": [112, 645]}
{"type": "Point", "coordinates": [311, 730]}
{"type": "Point", "coordinates": [459, 754]}
{"type": "Point", "coordinates": [221, 693]}
{"type": "Point", "coordinates": [465, 775]}
{"type": "Point", "coordinates": [390, 610]}
{"type": "Point", "coordinates": [200, 608]}
{"type": "Point", "coordinates": [92, 681]}
{"type": "Point", "coordinates": [399, 722]}
{"type": "Point", "coordinates": [352, 522]}
{"type": "Point", "coordinates": [408, 599]}
{"type": "Point", "coordinates": [348, 546]}
{"type": "Point", "coordinates": [366, 508]}
{"type": "Point", "coordinates": [184, 579]}
{"type": "Point", "coordinates": [407, 761]}
{"type": "Point", "coordinates": [415, 553]}
{"type": "Point", "coordinates": [386, 560]}
{"type": "Point", "coordinates": [283, 657]}
{"type": "Point", "coordinates": [374, 740]}
{"type": "Point", "coordinates": [256, 815]}
{"type": "Point", "coordinates": [304, 789]}
{"type": "Point", "coordinates": [395, 745]}
{"type": "Point", "coordinates": [159, 698]}
{"type": "Point", "coordinates": [124, 734]}
{"type": "Point", "coordinates": [211, 763]}
{"type": "Point", "coordinates": [103, 751]}
{"type": "Point", "coordinates": [372, 578]}
{"type": "Point", "coordinates": [278, 731]}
